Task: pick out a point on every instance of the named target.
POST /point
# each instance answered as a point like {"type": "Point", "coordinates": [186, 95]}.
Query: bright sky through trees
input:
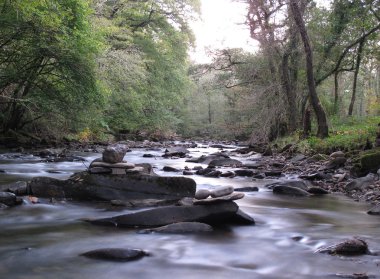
{"type": "Point", "coordinates": [221, 26]}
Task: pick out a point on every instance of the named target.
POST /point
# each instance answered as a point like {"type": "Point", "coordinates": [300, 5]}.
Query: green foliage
{"type": "Point", "coordinates": [47, 54]}
{"type": "Point", "coordinates": [350, 134]}
{"type": "Point", "coordinates": [145, 66]}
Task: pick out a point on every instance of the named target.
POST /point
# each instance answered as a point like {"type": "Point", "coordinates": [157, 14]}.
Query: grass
{"type": "Point", "coordinates": [349, 134]}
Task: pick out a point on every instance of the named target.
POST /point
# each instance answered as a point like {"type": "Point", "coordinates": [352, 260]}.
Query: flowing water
{"type": "Point", "coordinates": [44, 240]}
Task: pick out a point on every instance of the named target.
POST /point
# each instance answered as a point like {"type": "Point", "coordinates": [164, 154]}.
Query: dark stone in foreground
{"type": "Point", "coordinates": [102, 187]}
{"type": "Point", "coordinates": [374, 210]}
{"type": "Point", "coordinates": [317, 191]}
{"type": "Point", "coordinates": [349, 247]}
{"type": "Point", "coordinates": [8, 199]}
{"type": "Point", "coordinates": [247, 189]}
{"type": "Point", "coordinates": [116, 254]}
{"type": "Point", "coordinates": [182, 227]}
{"type": "Point", "coordinates": [210, 214]}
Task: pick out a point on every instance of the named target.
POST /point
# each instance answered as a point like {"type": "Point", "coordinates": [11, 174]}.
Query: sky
{"type": "Point", "coordinates": [221, 26]}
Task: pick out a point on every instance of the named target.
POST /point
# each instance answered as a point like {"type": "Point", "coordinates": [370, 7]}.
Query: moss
{"type": "Point", "coordinates": [366, 162]}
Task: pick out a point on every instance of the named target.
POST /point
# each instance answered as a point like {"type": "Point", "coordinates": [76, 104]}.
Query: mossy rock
{"type": "Point", "coordinates": [366, 162]}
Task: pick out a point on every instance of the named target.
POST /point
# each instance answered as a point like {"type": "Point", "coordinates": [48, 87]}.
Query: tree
{"type": "Point", "coordinates": [318, 109]}
{"type": "Point", "coordinates": [47, 65]}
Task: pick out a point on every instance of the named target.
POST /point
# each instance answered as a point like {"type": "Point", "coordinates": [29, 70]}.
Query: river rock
{"type": "Point", "coordinates": [18, 188]}
{"type": "Point", "coordinates": [247, 189]}
{"type": "Point", "coordinates": [202, 194]}
{"type": "Point", "coordinates": [3, 206]}
{"type": "Point", "coordinates": [360, 183]}
{"type": "Point", "coordinates": [244, 172]}
{"type": "Point", "coordinates": [210, 214]}
{"type": "Point", "coordinates": [316, 176]}
{"type": "Point", "coordinates": [214, 173]}
{"type": "Point", "coordinates": [228, 174]}
{"type": "Point", "coordinates": [221, 191]}
{"type": "Point", "coordinates": [350, 247]}
{"type": "Point", "coordinates": [335, 163]}
{"type": "Point", "coordinates": [103, 187]}
{"type": "Point", "coordinates": [180, 228]}
{"type": "Point", "coordinates": [207, 159]}
{"type": "Point", "coordinates": [300, 184]}
{"type": "Point", "coordinates": [8, 199]}
{"type": "Point", "coordinates": [147, 155]}
{"type": "Point", "coordinates": [337, 154]}
{"type": "Point", "coordinates": [374, 210]}
{"type": "Point", "coordinates": [290, 191]}
{"type": "Point", "coordinates": [116, 254]}
{"type": "Point", "coordinates": [225, 162]}
{"type": "Point", "coordinates": [120, 165]}
{"type": "Point", "coordinates": [241, 218]}
{"type": "Point", "coordinates": [187, 172]}
{"type": "Point", "coordinates": [170, 169]}
{"type": "Point", "coordinates": [114, 153]}
{"type": "Point", "coordinates": [202, 171]}
{"type": "Point", "coordinates": [317, 190]}
{"type": "Point", "coordinates": [275, 173]}
{"type": "Point", "coordinates": [100, 170]}
{"type": "Point", "coordinates": [175, 152]}
{"type": "Point", "coordinates": [230, 197]}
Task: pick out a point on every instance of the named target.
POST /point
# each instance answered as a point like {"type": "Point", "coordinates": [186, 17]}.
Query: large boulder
{"type": "Point", "coordinates": [207, 159]}
{"type": "Point", "coordinates": [103, 187]}
{"type": "Point", "coordinates": [209, 214]}
{"type": "Point", "coordinates": [114, 153]}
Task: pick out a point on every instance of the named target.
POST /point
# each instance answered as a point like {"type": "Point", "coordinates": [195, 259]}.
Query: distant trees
{"type": "Point", "coordinates": [338, 43]}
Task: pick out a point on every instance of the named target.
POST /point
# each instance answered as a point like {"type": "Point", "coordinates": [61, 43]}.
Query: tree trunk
{"type": "Point", "coordinates": [336, 92]}
{"type": "Point", "coordinates": [323, 130]}
{"type": "Point", "coordinates": [356, 73]}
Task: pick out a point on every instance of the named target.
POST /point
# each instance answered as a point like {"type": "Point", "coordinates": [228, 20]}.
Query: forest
{"type": "Point", "coordinates": [123, 156]}
{"type": "Point", "coordinates": [105, 69]}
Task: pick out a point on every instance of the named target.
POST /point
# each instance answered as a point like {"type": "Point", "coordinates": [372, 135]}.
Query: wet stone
{"type": "Point", "coordinates": [243, 172]}
{"type": "Point", "coordinates": [202, 194]}
{"type": "Point", "coordinates": [187, 172]}
{"type": "Point", "coordinates": [18, 188]}
{"type": "Point", "coordinates": [317, 191]}
{"type": "Point", "coordinates": [170, 169]}
{"type": "Point", "coordinates": [290, 191]}
{"type": "Point", "coordinates": [8, 199]}
{"type": "Point", "coordinates": [180, 228]}
{"type": "Point", "coordinates": [349, 247]}
{"type": "Point", "coordinates": [116, 254]}
{"type": "Point", "coordinates": [222, 191]}
{"type": "Point", "coordinates": [374, 210]}
{"type": "Point", "coordinates": [214, 173]}
{"type": "Point", "coordinates": [247, 189]}
{"type": "Point", "coordinates": [230, 197]}
{"type": "Point", "coordinates": [99, 170]}
{"type": "Point", "coordinates": [114, 153]}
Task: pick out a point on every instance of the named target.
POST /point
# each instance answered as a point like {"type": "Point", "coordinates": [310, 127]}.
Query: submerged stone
{"type": "Point", "coordinates": [116, 254]}
{"type": "Point", "coordinates": [181, 227]}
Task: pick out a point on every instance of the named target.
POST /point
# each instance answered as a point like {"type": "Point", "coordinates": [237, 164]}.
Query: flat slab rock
{"type": "Point", "coordinates": [180, 228]}
{"type": "Point", "coordinates": [121, 165]}
{"type": "Point", "coordinates": [209, 214]}
{"type": "Point", "coordinates": [230, 197]}
{"type": "Point", "coordinates": [116, 254]}
{"type": "Point", "coordinates": [103, 187]}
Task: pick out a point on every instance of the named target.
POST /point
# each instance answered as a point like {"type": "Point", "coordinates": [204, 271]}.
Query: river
{"type": "Point", "coordinates": [44, 240]}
